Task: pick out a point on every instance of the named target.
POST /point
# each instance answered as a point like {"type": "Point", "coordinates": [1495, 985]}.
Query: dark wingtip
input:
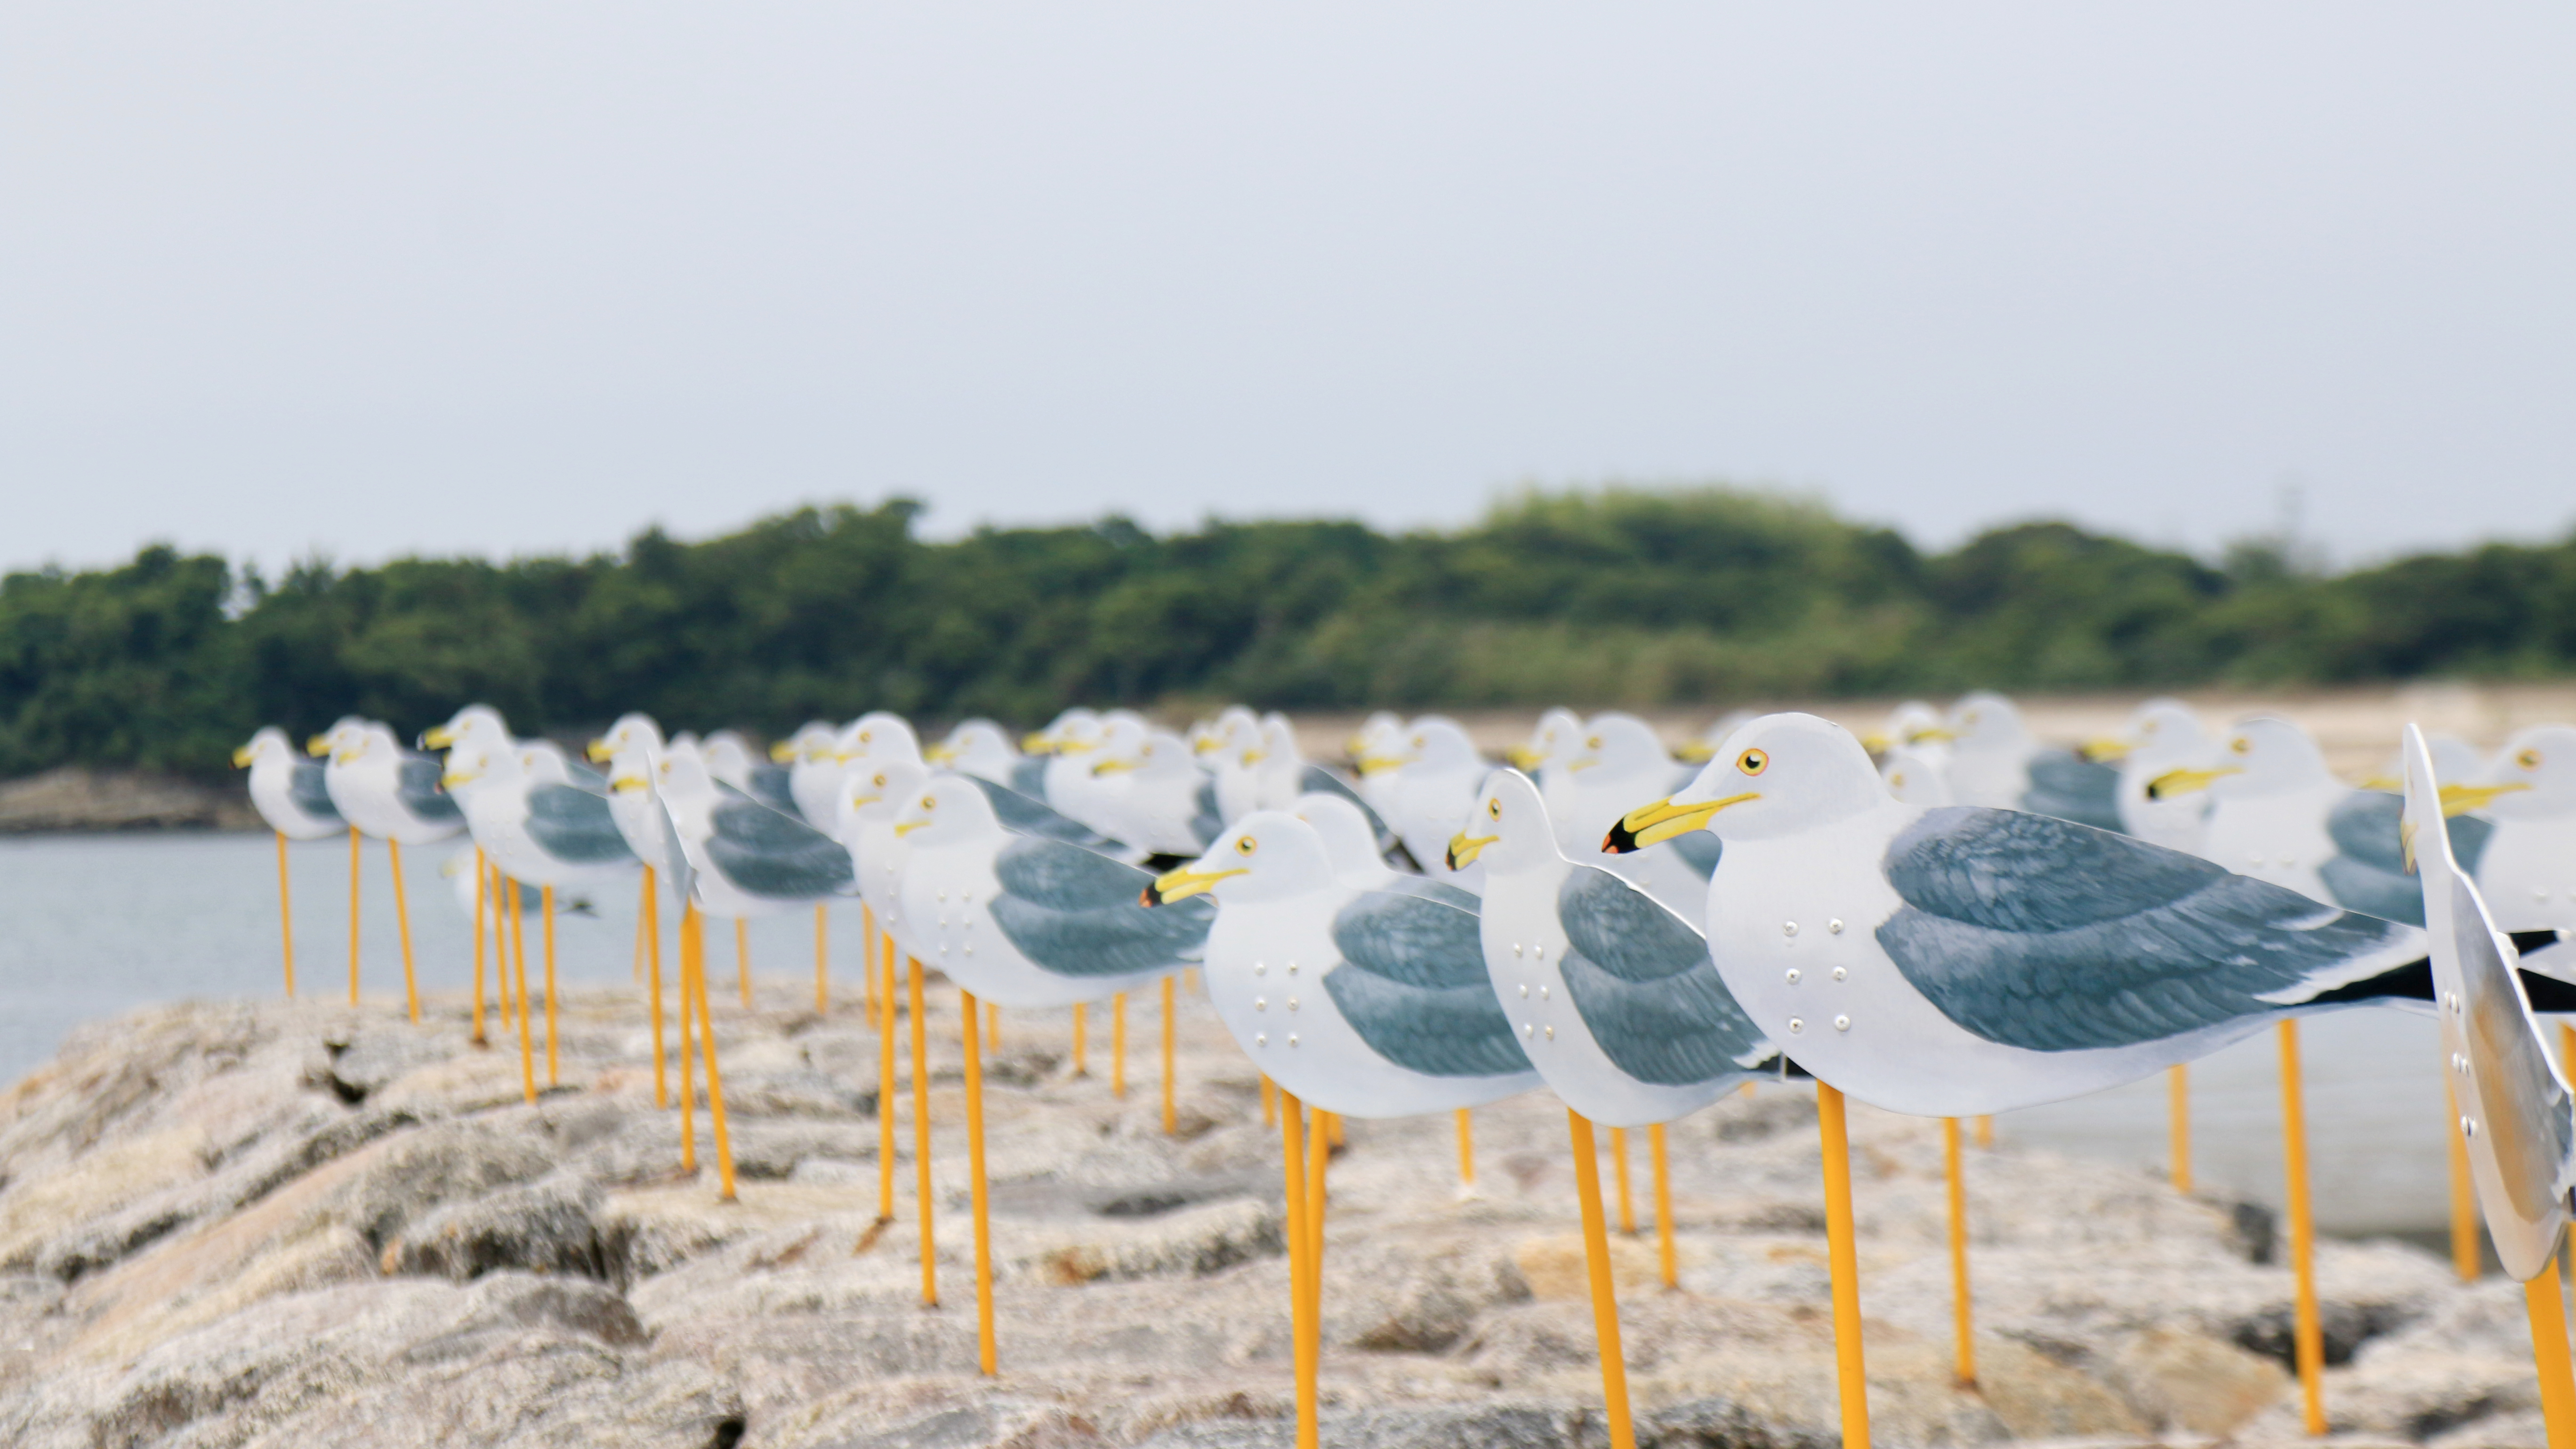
{"type": "Point", "coordinates": [1620, 841]}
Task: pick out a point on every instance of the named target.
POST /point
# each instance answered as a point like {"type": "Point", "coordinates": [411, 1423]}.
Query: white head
{"type": "Point", "coordinates": [631, 729]}
{"type": "Point", "coordinates": [1437, 742]}
{"type": "Point", "coordinates": [976, 744]}
{"type": "Point", "coordinates": [477, 764]}
{"type": "Point", "coordinates": [1348, 840]}
{"type": "Point", "coordinates": [878, 735]}
{"type": "Point", "coordinates": [1076, 723]}
{"type": "Point", "coordinates": [2264, 755]}
{"type": "Point", "coordinates": [813, 743]}
{"type": "Point", "coordinates": [1555, 734]}
{"type": "Point", "coordinates": [1779, 775]}
{"type": "Point", "coordinates": [1914, 722]}
{"type": "Point", "coordinates": [543, 760]}
{"type": "Point", "coordinates": [1235, 731]}
{"type": "Point", "coordinates": [2161, 728]}
{"type": "Point", "coordinates": [1914, 777]}
{"type": "Point", "coordinates": [1986, 722]}
{"type": "Point", "coordinates": [1278, 742]}
{"type": "Point", "coordinates": [877, 791]}
{"type": "Point", "coordinates": [473, 723]}
{"type": "Point", "coordinates": [1379, 743]}
{"type": "Point", "coordinates": [2533, 777]}
{"type": "Point", "coordinates": [945, 810]}
{"type": "Point", "coordinates": [1507, 828]}
{"type": "Point", "coordinates": [340, 740]}
{"type": "Point", "coordinates": [1267, 855]}
{"type": "Point", "coordinates": [267, 747]}
{"type": "Point", "coordinates": [1617, 744]}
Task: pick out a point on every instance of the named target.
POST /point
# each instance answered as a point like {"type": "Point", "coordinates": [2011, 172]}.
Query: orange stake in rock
{"type": "Point", "coordinates": [921, 1135]}
{"type": "Point", "coordinates": [402, 921]}
{"type": "Point", "coordinates": [353, 915]}
{"type": "Point", "coordinates": [286, 929]}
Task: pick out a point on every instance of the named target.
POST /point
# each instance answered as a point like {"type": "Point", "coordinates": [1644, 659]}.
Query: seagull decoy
{"type": "Point", "coordinates": [1025, 921]}
{"type": "Point", "coordinates": [1618, 1004]}
{"type": "Point", "coordinates": [729, 759]}
{"type": "Point", "coordinates": [1371, 750]}
{"type": "Point", "coordinates": [2515, 1108]}
{"type": "Point", "coordinates": [745, 858]}
{"type": "Point", "coordinates": [870, 798]}
{"type": "Point", "coordinates": [1351, 842]}
{"type": "Point", "coordinates": [287, 788]}
{"type": "Point", "coordinates": [1915, 722]}
{"type": "Point", "coordinates": [1557, 726]}
{"type": "Point", "coordinates": [1593, 776]}
{"type": "Point", "coordinates": [1285, 776]}
{"type": "Point", "coordinates": [1910, 775]}
{"type": "Point", "coordinates": [978, 747]}
{"type": "Point", "coordinates": [2159, 735]}
{"type": "Point", "coordinates": [385, 790]}
{"type": "Point", "coordinates": [458, 871]}
{"type": "Point", "coordinates": [813, 760]}
{"type": "Point", "coordinates": [1156, 797]}
{"type": "Point", "coordinates": [2527, 873]}
{"type": "Point", "coordinates": [1954, 961]}
{"type": "Point", "coordinates": [540, 831]}
{"type": "Point", "coordinates": [2269, 795]}
{"type": "Point", "coordinates": [1995, 761]}
{"type": "Point", "coordinates": [1432, 772]}
{"type": "Point", "coordinates": [2369, 871]}
{"type": "Point", "coordinates": [1365, 1002]}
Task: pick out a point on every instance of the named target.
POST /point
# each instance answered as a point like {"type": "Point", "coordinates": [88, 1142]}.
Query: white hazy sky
{"type": "Point", "coordinates": [379, 278]}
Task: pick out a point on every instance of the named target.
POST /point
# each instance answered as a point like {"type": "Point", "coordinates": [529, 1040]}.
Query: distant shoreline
{"type": "Point", "coordinates": [73, 798]}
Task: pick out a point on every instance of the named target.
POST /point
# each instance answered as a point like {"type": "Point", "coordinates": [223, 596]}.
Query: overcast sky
{"type": "Point", "coordinates": [376, 278]}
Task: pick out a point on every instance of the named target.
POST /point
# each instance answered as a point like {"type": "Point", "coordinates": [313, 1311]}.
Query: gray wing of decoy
{"type": "Point", "coordinates": [2051, 936]}
{"type": "Point", "coordinates": [1079, 913]}
{"type": "Point", "coordinates": [1642, 978]}
{"type": "Point", "coordinates": [306, 788]}
{"type": "Point", "coordinates": [766, 853]}
{"type": "Point", "coordinates": [574, 825]}
{"type": "Point", "coordinates": [1412, 983]}
{"type": "Point", "coordinates": [1315, 778]}
{"type": "Point", "coordinates": [2363, 826]}
{"type": "Point", "coordinates": [1206, 823]}
{"type": "Point", "coordinates": [2071, 787]}
{"type": "Point", "coordinates": [416, 785]}
{"type": "Point", "coordinates": [1699, 849]}
{"type": "Point", "coordinates": [1028, 776]}
{"type": "Point", "coordinates": [770, 786]}
{"type": "Point", "coordinates": [586, 778]}
{"type": "Point", "coordinates": [1434, 890]}
{"type": "Point", "coordinates": [1022, 815]}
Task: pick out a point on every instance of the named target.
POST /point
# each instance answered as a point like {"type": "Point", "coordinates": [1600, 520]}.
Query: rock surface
{"type": "Point", "coordinates": [294, 1224]}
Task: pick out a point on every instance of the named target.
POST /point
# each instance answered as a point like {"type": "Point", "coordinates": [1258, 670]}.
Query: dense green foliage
{"type": "Point", "coordinates": [1710, 596]}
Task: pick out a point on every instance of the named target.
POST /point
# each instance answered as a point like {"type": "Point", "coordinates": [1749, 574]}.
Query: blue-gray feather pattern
{"type": "Point", "coordinates": [1412, 983]}
{"type": "Point", "coordinates": [1079, 913]}
{"type": "Point", "coordinates": [1022, 815]}
{"type": "Point", "coordinates": [2051, 936]}
{"type": "Point", "coordinates": [416, 786]}
{"type": "Point", "coordinates": [1206, 823]}
{"type": "Point", "coordinates": [766, 853]}
{"type": "Point", "coordinates": [1028, 776]}
{"type": "Point", "coordinates": [1315, 779]}
{"type": "Point", "coordinates": [2071, 787]}
{"type": "Point", "coordinates": [770, 785]}
{"type": "Point", "coordinates": [1642, 979]}
{"type": "Point", "coordinates": [306, 788]}
{"type": "Point", "coordinates": [2368, 874]}
{"type": "Point", "coordinates": [574, 825]}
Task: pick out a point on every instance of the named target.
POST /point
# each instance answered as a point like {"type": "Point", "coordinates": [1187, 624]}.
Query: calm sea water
{"type": "Point", "coordinates": [95, 925]}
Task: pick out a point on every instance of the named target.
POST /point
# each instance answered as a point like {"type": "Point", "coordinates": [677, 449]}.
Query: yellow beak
{"type": "Point", "coordinates": [599, 752]}
{"type": "Point", "coordinates": [2461, 799]}
{"type": "Point", "coordinates": [1036, 743]}
{"type": "Point", "coordinates": [2183, 782]}
{"type": "Point", "coordinates": [906, 827]}
{"type": "Point", "coordinates": [1464, 848]}
{"type": "Point", "coordinates": [1697, 752]}
{"type": "Point", "coordinates": [628, 784]}
{"type": "Point", "coordinates": [1522, 757]}
{"type": "Point", "coordinates": [454, 778]}
{"type": "Point", "coordinates": [1874, 742]}
{"type": "Point", "coordinates": [2104, 750]}
{"type": "Point", "coordinates": [939, 754]}
{"type": "Point", "coordinates": [1585, 763]}
{"type": "Point", "coordinates": [1380, 764]}
{"type": "Point", "coordinates": [241, 758]}
{"type": "Point", "coordinates": [1649, 824]}
{"type": "Point", "coordinates": [1934, 732]}
{"type": "Point", "coordinates": [438, 737]}
{"type": "Point", "coordinates": [1115, 767]}
{"type": "Point", "coordinates": [318, 746]}
{"type": "Point", "coordinates": [781, 752]}
{"type": "Point", "coordinates": [345, 757]}
{"type": "Point", "coordinates": [1181, 884]}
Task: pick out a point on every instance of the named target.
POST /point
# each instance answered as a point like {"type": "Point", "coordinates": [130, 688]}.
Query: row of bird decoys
{"type": "Point", "coordinates": [1946, 918]}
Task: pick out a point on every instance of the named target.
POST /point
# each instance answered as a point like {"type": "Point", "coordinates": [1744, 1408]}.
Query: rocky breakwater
{"type": "Point", "coordinates": [300, 1224]}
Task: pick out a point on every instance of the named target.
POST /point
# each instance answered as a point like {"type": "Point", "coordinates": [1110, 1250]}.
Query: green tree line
{"type": "Point", "coordinates": [1706, 596]}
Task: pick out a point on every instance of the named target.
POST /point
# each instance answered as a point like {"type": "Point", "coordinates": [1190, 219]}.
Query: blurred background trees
{"type": "Point", "coordinates": [1709, 596]}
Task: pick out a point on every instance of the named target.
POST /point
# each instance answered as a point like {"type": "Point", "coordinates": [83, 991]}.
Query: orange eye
{"type": "Point", "coordinates": [879, 782]}
{"type": "Point", "coordinates": [1753, 762]}
{"type": "Point", "coordinates": [1593, 743]}
{"type": "Point", "coordinates": [2528, 759]}
{"type": "Point", "coordinates": [1246, 846]}
{"type": "Point", "coordinates": [1493, 809]}
{"type": "Point", "coordinates": [1896, 781]}
{"type": "Point", "coordinates": [2241, 745]}
{"type": "Point", "coordinates": [864, 736]}
{"type": "Point", "coordinates": [929, 802]}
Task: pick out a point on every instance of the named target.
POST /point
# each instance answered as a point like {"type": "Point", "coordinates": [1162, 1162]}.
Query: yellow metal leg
{"type": "Point", "coordinates": [353, 915]}
{"type": "Point", "coordinates": [286, 929]}
{"type": "Point", "coordinates": [402, 923]}
{"type": "Point", "coordinates": [1619, 1163]}
{"type": "Point", "coordinates": [1302, 1336]}
{"type": "Point", "coordinates": [1962, 1306]}
{"type": "Point", "coordinates": [1466, 1150]}
{"type": "Point", "coordinates": [519, 956]}
{"type": "Point", "coordinates": [696, 964]}
{"type": "Point", "coordinates": [1081, 1042]}
{"type": "Point", "coordinates": [2178, 1108]}
{"type": "Point", "coordinates": [2308, 1340]}
{"type": "Point", "coordinates": [921, 1137]}
{"type": "Point", "coordinates": [1842, 1254]}
{"type": "Point", "coordinates": [1663, 1205]}
{"type": "Point", "coordinates": [885, 1081]}
{"type": "Point", "coordinates": [2546, 1306]}
{"type": "Point", "coordinates": [742, 956]}
{"type": "Point", "coordinates": [648, 916]}
{"type": "Point", "coordinates": [1605, 1303]}
{"type": "Point", "coordinates": [975, 1183]}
